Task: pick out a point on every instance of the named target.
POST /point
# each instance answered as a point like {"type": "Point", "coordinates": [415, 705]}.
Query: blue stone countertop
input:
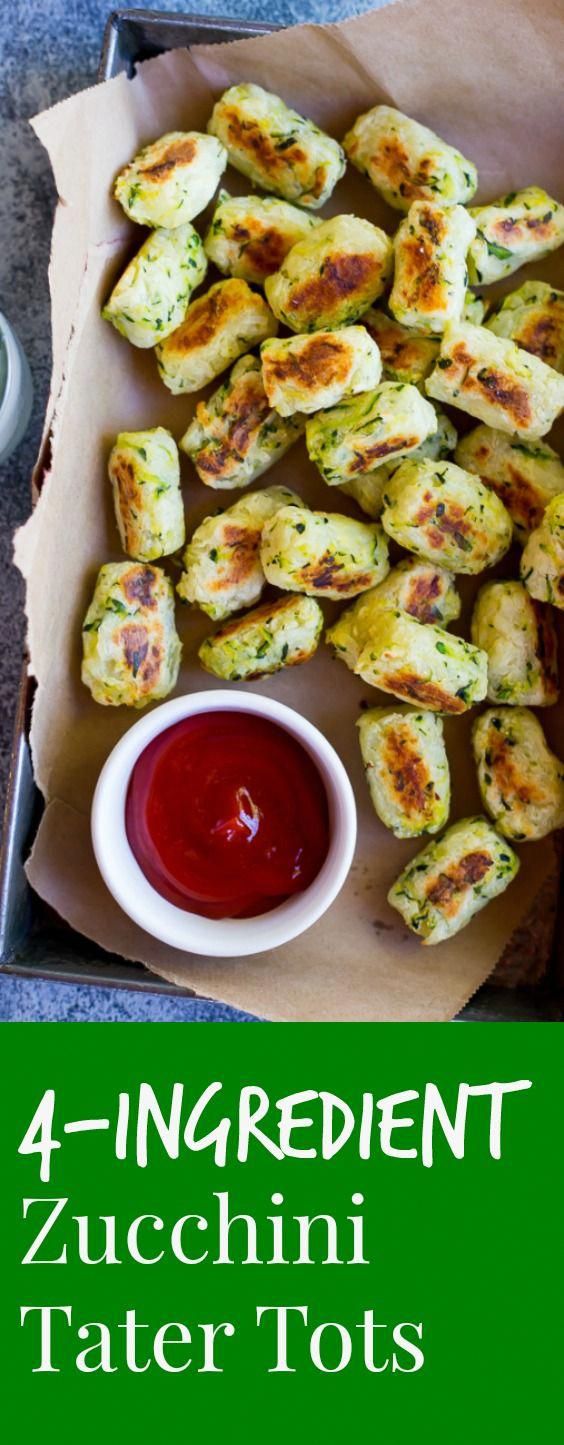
{"type": "Point", "coordinates": [49, 51]}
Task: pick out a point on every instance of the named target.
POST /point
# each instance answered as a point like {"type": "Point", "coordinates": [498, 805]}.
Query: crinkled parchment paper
{"type": "Point", "coordinates": [489, 78]}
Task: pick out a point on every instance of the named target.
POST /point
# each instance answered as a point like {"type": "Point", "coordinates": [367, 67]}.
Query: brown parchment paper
{"type": "Point", "coordinates": [488, 77]}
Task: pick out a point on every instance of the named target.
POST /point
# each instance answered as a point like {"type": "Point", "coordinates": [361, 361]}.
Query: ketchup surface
{"type": "Point", "coordinates": [227, 815]}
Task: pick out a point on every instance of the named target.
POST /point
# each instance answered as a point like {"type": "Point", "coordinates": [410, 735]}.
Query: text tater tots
{"type": "Point", "coordinates": [452, 879]}
{"type": "Point", "coordinates": [144, 471]}
{"type": "Point", "coordinates": [416, 662]}
{"type": "Point", "coordinates": [322, 554]}
{"type": "Point", "coordinates": [278, 149]}
{"type": "Point", "coordinates": [218, 328]}
{"type": "Point", "coordinates": [525, 475]}
{"type": "Point", "coordinates": [307, 373]}
{"type": "Point", "coordinates": [406, 161]}
{"type": "Point", "coordinates": [235, 435]}
{"type": "Point", "coordinates": [222, 566]}
{"type": "Point", "coordinates": [331, 277]}
{"type": "Point", "coordinates": [249, 236]}
{"type": "Point", "coordinates": [521, 227]}
{"type": "Point", "coordinates": [276, 635]}
{"type": "Point", "coordinates": [443, 514]}
{"type": "Point", "coordinates": [150, 298]}
{"type": "Point", "coordinates": [171, 180]}
{"type": "Point", "coordinates": [496, 381]}
{"type": "Point", "coordinates": [430, 248]}
{"type": "Point", "coordinates": [518, 636]}
{"type": "Point", "coordinates": [533, 317]}
{"type": "Point", "coordinates": [131, 649]}
{"type": "Point", "coordinates": [520, 779]}
{"type": "Point", "coordinates": [406, 767]}
{"type": "Point", "coordinates": [542, 561]}
{"type": "Point", "coordinates": [362, 433]}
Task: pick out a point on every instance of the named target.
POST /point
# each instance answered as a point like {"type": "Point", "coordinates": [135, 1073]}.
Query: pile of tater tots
{"type": "Point", "coordinates": [334, 331]}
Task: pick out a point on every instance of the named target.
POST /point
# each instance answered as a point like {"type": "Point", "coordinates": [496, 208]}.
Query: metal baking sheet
{"type": "Point", "coordinates": [34, 942]}
{"type": "Point", "coordinates": [134, 35]}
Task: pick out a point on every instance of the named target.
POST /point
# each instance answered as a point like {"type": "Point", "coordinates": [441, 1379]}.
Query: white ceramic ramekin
{"type": "Point", "coordinates": [226, 937]}
{"type": "Point", "coordinates": [16, 391]}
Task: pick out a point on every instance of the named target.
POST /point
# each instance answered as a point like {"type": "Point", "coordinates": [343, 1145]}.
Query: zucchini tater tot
{"type": "Point", "coordinates": [542, 560]}
{"type": "Point", "coordinates": [322, 554]}
{"type": "Point", "coordinates": [249, 236]}
{"type": "Point", "coordinates": [414, 661]}
{"type": "Point", "coordinates": [430, 248]}
{"type": "Point", "coordinates": [276, 635]}
{"type": "Point", "coordinates": [405, 356]}
{"type": "Point", "coordinates": [533, 317]}
{"type": "Point", "coordinates": [217, 328]}
{"type": "Point", "coordinates": [368, 488]}
{"type": "Point", "coordinates": [406, 767]}
{"type": "Point", "coordinates": [520, 779]}
{"type": "Point", "coordinates": [235, 435]}
{"type": "Point", "coordinates": [405, 161]}
{"type": "Point", "coordinates": [525, 475]}
{"type": "Point", "coordinates": [222, 565]}
{"type": "Point", "coordinates": [307, 373]}
{"type": "Point", "coordinates": [444, 514]}
{"type": "Point", "coordinates": [356, 437]}
{"type": "Point", "coordinates": [521, 227]}
{"type": "Point", "coordinates": [452, 879]}
{"type": "Point", "coordinates": [144, 471]}
{"type": "Point", "coordinates": [150, 299]}
{"type": "Point", "coordinates": [131, 649]}
{"type": "Point", "coordinates": [331, 277]}
{"type": "Point", "coordinates": [426, 593]}
{"type": "Point", "coordinates": [171, 180]}
{"type": "Point", "coordinates": [496, 381]}
{"type": "Point", "coordinates": [424, 590]}
{"type": "Point", "coordinates": [277, 148]}
{"type": "Point", "coordinates": [519, 638]}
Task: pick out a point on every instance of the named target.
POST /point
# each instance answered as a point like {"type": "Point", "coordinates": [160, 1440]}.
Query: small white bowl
{"type": "Point", "coordinates": [224, 937]}
{"type": "Point", "coordinates": [16, 391]}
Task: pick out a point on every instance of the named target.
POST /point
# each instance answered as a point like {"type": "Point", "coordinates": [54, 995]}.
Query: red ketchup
{"type": "Point", "coordinates": [227, 815]}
